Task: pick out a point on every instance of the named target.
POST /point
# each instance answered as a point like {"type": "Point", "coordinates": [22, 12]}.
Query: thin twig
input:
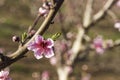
{"type": "Point", "coordinates": [34, 23]}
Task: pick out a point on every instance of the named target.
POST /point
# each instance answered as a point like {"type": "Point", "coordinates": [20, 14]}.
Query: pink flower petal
{"type": "Point", "coordinates": [49, 53]}
{"type": "Point", "coordinates": [38, 53]}
{"type": "Point", "coordinates": [38, 39]}
{"type": "Point", "coordinates": [50, 43]}
{"type": "Point", "coordinates": [31, 46]}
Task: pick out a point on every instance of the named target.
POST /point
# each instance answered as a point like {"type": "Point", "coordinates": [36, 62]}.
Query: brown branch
{"type": "Point", "coordinates": [23, 50]}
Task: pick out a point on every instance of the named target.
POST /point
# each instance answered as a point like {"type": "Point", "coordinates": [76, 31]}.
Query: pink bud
{"type": "Point", "coordinates": [43, 11]}
{"type": "Point", "coordinates": [15, 39]}
{"type": "Point", "coordinates": [32, 32]}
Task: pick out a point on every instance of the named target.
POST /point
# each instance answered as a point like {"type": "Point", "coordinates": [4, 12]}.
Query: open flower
{"type": "Point", "coordinates": [40, 46]}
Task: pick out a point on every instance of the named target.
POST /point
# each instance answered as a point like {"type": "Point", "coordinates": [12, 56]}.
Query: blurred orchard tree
{"type": "Point", "coordinates": [90, 36]}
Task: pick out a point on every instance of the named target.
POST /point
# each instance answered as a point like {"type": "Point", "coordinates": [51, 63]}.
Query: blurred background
{"type": "Point", "coordinates": [17, 15]}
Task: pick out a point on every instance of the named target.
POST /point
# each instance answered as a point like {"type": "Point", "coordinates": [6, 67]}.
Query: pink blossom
{"type": "Point", "coordinates": [45, 75]}
{"type": "Point", "coordinates": [100, 50]}
{"type": "Point", "coordinates": [98, 44]}
{"type": "Point", "coordinates": [4, 75]}
{"type": "Point", "coordinates": [40, 46]}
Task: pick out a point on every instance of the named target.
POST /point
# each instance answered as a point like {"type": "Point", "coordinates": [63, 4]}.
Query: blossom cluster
{"type": "Point", "coordinates": [100, 44]}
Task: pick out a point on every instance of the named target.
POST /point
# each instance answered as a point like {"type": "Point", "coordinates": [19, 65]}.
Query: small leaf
{"type": "Point", "coordinates": [24, 35]}
{"type": "Point", "coordinates": [55, 36]}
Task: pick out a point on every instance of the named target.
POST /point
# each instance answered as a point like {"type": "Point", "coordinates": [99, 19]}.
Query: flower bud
{"type": "Point", "coordinates": [43, 11]}
{"type": "Point", "coordinates": [15, 39]}
{"type": "Point", "coordinates": [31, 33]}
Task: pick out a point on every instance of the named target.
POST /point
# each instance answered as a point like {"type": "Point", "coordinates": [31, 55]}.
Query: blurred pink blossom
{"type": "Point", "coordinates": [69, 69]}
{"type": "Point", "coordinates": [45, 75]}
{"type": "Point", "coordinates": [53, 60]}
{"type": "Point", "coordinates": [4, 75]}
{"type": "Point", "coordinates": [62, 46]}
{"type": "Point", "coordinates": [70, 35]}
{"type": "Point", "coordinates": [40, 46]}
{"type": "Point", "coordinates": [86, 77]}
{"type": "Point", "coordinates": [117, 25]}
{"type": "Point", "coordinates": [118, 3]}
{"type": "Point", "coordinates": [1, 50]}
{"type": "Point", "coordinates": [98, 44]}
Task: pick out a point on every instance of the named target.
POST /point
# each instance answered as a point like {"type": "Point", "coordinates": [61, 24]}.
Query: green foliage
{"type": "Point", "coordinates": [24, 36]}
{"type": "Point", "coordinates": [56, 36]}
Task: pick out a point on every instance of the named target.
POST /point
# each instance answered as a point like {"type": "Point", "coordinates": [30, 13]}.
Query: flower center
{"type": "Point", "coordinates": [44, 44]}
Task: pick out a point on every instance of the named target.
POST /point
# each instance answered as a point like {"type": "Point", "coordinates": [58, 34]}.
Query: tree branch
{"type": "Point", "coordinates": [102, 12]}
{"type": "Point", "coordinates": [112, 14]}
{"type": "Point", "coordinates": [77, 45]}
{"type": "Point", "coordinates": [23, 49]}
{"type": "Point", "coordinates": [88, 13]}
